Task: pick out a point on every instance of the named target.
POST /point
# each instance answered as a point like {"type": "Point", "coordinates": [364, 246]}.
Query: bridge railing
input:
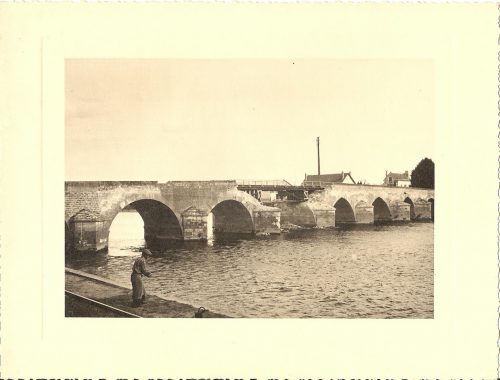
{"type": "Point", "coordinates": [279, 182]}
{"type": "Point", "coordinates": [318, 183]}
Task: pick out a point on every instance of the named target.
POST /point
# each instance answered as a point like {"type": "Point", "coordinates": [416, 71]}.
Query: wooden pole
{"type": "Point", "coordinates": [319, 170]}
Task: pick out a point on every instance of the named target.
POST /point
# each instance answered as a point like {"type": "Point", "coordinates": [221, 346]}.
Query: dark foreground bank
{"type": "Point", "coordinates": [93, 296]}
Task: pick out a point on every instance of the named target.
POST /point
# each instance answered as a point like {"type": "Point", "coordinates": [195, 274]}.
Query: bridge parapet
{"type": "Point", "coordinates": [263, 182]}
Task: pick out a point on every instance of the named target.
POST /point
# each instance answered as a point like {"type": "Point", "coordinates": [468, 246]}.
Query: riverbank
{"type": "Point", "coordinates": [119, 296]}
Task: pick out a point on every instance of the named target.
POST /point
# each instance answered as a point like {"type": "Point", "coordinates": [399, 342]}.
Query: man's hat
{"type": "Point", "coordinates": [146, 252]}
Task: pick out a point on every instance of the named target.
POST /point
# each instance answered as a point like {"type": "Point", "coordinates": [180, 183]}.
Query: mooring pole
{"type": "Point", "coordinates": [319, 171]}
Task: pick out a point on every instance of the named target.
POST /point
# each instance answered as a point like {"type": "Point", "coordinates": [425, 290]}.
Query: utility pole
{"type": "Point", "coordinates": [319, 171]}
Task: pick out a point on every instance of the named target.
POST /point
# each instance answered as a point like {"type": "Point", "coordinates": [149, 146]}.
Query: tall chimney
{"type": "Point", "coordinates": [319, 170]}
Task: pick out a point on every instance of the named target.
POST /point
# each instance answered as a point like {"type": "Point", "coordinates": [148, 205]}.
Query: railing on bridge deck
{"type": "Point", "coordinates": [279, 187]}
{"type": "Point", "coordinates": [321, 183]}
{"type": "Point", "coordinates": [265, 182]}
{"type": "Point", "coordinates": [266, 191]}
{"type": "Point", "coordinates": [274, 185]}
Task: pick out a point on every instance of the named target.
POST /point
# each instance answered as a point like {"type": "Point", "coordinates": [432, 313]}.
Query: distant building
{"type": "Point", "coordinates": [397, 179]}
{"type": "Point", "coordinates": [329, 178]}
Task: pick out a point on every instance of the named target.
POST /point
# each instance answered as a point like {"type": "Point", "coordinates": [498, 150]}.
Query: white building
{"type": "Point", "coordinates": [397, 179]}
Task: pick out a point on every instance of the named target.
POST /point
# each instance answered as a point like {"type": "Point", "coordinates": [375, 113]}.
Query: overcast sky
{"type": "Point", "coordinates": [246, 119]}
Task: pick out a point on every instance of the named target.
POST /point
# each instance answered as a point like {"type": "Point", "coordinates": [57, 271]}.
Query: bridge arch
{"type": "Point", "coordinates": [230, 216]}
{"type": "Point", "coordinates": [344, 213]}
{"type": "Point", "coordinates": [381, 211]}
{"type": "Point", "coordinates": [160, 222]}
{"type": "Point", "coordinates": [412, 207]}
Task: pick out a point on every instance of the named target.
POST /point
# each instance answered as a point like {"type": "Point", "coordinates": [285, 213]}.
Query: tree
{"type": "Point", "coordinates": [423, 174]}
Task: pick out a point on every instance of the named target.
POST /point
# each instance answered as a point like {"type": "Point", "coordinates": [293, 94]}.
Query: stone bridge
{"type": "Point", "coordinates": [186, 210]}
{"type": "Point", "coordinates": [362, 204]}
{"type": "Point", "coordinates": [172, 210]}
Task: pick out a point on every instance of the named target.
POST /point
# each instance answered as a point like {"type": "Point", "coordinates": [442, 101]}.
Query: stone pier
{"type": "Point", "coordinates": [423, 210]}
{"type": "Point", "coordinates": [267, 221]}
{"type": "Point", "coordinates": [400, 211]}
{"type": "Point", "coordinates": [194, 224]}
{"type": "Point", "coordinates": [87, 231]}
{"type": "Point", "coordinates": [296, 214]}
{"type": "Point", "coordinates": [364, 213]}
{"type": "Point", "coordinates": [305, 214]}
{"type": "Point", "coordinates": [324, 216]}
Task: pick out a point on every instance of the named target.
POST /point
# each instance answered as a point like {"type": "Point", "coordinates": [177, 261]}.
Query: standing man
{"type": "Point", "coordinates": [138, 270]}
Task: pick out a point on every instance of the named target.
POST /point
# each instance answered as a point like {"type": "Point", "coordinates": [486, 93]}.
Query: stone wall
{"type": "Point", "coordinates": [423, 210]}
{"type": "Point", "coordinates": [400, 211]}
{"type": "Point", "coordinates": [364, 213]}
{"type": "Point", "coordinates": [267, 221]}
{"type": "Point", "coordinates": [324, 217]}
{"type": "Point", "coordinates": [77, 199]}
{"type": "Point", "coordinates": [295, 213]}
{"type": "Point", "coordinates": [194, 223]}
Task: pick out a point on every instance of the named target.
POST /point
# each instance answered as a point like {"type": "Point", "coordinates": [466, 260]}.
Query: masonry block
{"type": "Point", "coordinates": [324, 217]}
{"type": "Point", "coordinates": [194, 224]}
{"type": "Point", "coordinates": [267, 221]}
{"type": "Point", "coordinates": [400, 211]}
{"type": "Point", "coordinates": [295, 213]}
{"type": "Point", "coordinates": [87, 232]}
{"type": "Point", "coordinates": [364, 213]}
{"type": "Point", "coordinates": [423, 210]}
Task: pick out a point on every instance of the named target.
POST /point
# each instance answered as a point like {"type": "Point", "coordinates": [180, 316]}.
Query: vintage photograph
{"type": "Point", "coordinates": [249, 188]}
{"type": "Point", "coordinates": [271, 168]}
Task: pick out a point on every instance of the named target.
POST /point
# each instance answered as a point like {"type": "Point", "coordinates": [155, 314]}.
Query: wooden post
{"type": "Point", "coordinates": [319, 171]}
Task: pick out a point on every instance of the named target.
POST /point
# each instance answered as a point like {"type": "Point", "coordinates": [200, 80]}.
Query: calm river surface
{"type": "Point", "coordinates": [381, 271]}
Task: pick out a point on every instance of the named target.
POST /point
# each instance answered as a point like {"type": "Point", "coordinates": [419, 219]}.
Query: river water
{"type": "Point", "coordinates": [373, 271]}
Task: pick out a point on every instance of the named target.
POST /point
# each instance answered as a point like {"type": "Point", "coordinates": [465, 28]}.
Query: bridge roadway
{"type": "Point", "coordinates": [191, 210]}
